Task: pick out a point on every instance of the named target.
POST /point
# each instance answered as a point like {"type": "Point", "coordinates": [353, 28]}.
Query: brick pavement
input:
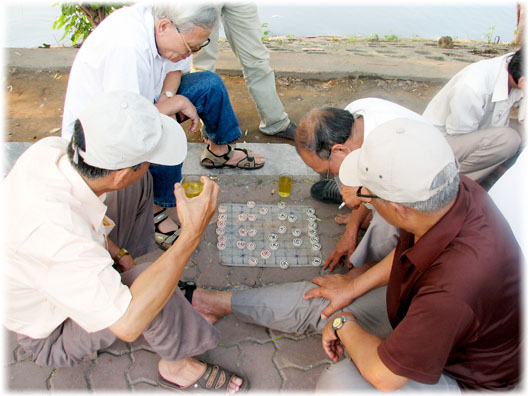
{"type": "Point", "coordinates": [272, 361]}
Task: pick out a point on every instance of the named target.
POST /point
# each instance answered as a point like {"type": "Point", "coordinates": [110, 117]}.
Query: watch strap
{"type": "Point", "coordinates": [122, 252]}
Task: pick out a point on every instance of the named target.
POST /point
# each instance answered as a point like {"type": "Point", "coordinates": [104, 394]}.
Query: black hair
{"type": "Point", "coordinates": [78, 142]}
{"type": "Point", "coordinates": [515, 66]}
{"type": "Point", "coordinates": [322, 128]}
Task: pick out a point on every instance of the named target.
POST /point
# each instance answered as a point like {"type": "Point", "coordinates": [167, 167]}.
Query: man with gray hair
{"type": "Point", "coordinates": [65, 300]}
{"type": "Point", "coordinates": [147, 49]}
{"type": "Point", "coordinates": [441, 312]}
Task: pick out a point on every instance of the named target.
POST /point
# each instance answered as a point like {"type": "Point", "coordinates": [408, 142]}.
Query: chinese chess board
{"type": "Point", "coordinates": [272, 235]}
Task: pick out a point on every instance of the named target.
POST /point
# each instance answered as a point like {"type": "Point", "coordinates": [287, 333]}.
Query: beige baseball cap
{"type": "Point", "coordinates": [398, 161]}
{"type": "Point", "coordinates": [123, 129]}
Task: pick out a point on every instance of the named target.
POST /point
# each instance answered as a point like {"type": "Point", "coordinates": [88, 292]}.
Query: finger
{"type": "Point", "coordinates": [328, 348]}
{"type": "Point", "coordinates": [313, 293]}
{"type": "Point", "coordinates": [194, 125]}
{"type": "Point", "coordinates": [328, 311]}
{"type": "Point", "coordinates": [179, 192]}
{"type": "Point", "coordinates": [318, 280]}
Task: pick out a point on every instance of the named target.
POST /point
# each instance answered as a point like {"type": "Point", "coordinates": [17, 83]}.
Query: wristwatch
{"type": "Point", "coordinates": [122, 252]}
{"type": "Point", "coordinates": [338, 322]}
{"type": "Point", "coordinates": [168, 94]}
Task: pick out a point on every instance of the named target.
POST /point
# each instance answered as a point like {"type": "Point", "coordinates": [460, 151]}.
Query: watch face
{"type": "Point", "coordinates": [337, 323]}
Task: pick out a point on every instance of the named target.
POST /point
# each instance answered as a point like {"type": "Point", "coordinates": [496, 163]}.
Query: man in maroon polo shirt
{"type": "Point", "coordinates": [440, 313]}
{"type": "Point", "coordinates": [453, 279]}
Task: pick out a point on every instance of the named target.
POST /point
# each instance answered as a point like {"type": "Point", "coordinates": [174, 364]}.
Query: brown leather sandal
{"type": "Point", "coordinates": [214, 379]}
{"type": "Point", "coordinates": [210, 160]}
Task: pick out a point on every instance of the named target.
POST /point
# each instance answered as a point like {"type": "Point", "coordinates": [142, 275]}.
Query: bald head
{"type": "Point", "coordinates": [322, 128]}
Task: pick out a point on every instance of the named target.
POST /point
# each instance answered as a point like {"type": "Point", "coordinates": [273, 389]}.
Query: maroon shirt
{"type": "Point", "coordinates": [453, 298]}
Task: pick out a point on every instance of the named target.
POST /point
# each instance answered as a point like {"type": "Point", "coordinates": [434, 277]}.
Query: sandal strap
{"type": "Point", "coordinates": [214, 378]}
{"type": "Point", "coordinates": [248, 161]}
{"type": "Point", "coordinates": [160, 216]}
{"type": "Point", "coordinates": [217, 159]}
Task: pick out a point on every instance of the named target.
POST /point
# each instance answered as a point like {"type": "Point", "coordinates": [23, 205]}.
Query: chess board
{"type": "Point", "coordinates": [271, 235]}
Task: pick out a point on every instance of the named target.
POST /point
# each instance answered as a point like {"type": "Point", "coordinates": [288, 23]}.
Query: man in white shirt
{"type": "Point", "coordinates": [64, 298]}
{"type": "Point", "coordinates": [146, 49]}
{"type": "Point", "coordinates": [324, 138]}
{"type": "Point", "coordinates": [473, 112]}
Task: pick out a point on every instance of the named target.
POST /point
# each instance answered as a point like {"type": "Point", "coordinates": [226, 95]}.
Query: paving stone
{"type": "Point", "coordinates": [256, 362]}
{"type": "Point", "coordinates": [140, 344]}
{"type": "Point", "coordinates": [246, 276]}
{"type": "Point", "coordinates": [146, 388]}
{"type": "Point", "coordinates": [227, 357]}
{"type": "Point", "coordinates": [300, 353]}
{"type": "Point", "coordinates": [109, 372]}
{"type": "Point", "coordinates": [71, 378]}
{"type": "Point", "coordinates": [144, 367]}
{"type": "Point", "coordinates": [27, 376]}
{"type": "Point", "coordinates": [292, 274]}
{"type": "Point", "coordinates": [233, 330]}
{"type": "Point", "coordinates": [301, 380]}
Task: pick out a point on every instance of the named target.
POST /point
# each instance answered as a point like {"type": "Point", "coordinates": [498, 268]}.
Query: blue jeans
{"type": "Point", "coordinates": [208, 93]}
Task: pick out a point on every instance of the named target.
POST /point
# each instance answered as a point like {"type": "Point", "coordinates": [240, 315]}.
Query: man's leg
{"type": "Point", "coordinates": [378, 241]}
{"type": "Point", "coordinates": [205, 60]}
{"type": "Point", "coordinates": [243, 31]}
{"type": "Point", "coordinates": [131, 210]}
{"type": "Point", "coordinates": [481, 152]}
{"type": "Point", "coordinates": [344, 377]}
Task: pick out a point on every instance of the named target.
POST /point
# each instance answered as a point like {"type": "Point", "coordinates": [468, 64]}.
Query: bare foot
{"type": "Point", "coordinates": [212, 305]}
{"type": "Point", "coordinates": [186, 372]}
{"type": "Point", "coordinates": [342, 218]}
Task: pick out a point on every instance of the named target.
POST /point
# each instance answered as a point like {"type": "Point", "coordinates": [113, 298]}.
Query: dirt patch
{"type": "Point", "coordinates": [35, 101]}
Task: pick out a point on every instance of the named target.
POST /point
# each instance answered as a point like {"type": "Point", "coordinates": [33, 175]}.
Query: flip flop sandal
{"type": "Point", "coordinates": [164, 240]}
{"type": "Point", "coordinates": [288, 133]}
{"type": "Point", "coordinates": [210, 160]}
{"type": "Point", "coordinates": [187, 289]}
{"type": "Point", "coordinates": [214, 379]}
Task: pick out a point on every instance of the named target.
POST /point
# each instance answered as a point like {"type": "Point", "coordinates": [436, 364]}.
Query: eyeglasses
{"type": "Point", "coordinates": [192, 50]}
{"type": "Point", "coordinates": [360, 195]}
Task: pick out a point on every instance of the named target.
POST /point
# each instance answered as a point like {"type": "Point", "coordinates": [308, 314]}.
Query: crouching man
{"type": "Point", "coordinates": [64, 298]}
{"type": "Point", "coordinates": [441, 312]}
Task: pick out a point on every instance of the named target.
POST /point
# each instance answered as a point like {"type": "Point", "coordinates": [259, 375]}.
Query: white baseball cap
{"type": "Point", "coordinates": [398, 161]}
{"type": "Point", "coordinates": [123, 129]}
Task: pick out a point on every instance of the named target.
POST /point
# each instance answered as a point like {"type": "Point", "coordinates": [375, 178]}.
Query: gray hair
{"type": "Point", "coordinates": [447, 177]}
{"type": "Point", "coordinates": [186, 14]}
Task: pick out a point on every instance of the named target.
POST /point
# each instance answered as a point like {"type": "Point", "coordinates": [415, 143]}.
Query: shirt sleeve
{"type": "Point", "coordinates": [421, 343]}
{"type": "Point", "coordinates": [81, 282]}
{"type": "Point", "coordinates": [466, 109]}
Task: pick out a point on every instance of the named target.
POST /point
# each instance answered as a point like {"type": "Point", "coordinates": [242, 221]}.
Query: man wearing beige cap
{"type": "Point", "coordinates": [65, 300]}
{"type": "Point", "coordinates": [441, 312]}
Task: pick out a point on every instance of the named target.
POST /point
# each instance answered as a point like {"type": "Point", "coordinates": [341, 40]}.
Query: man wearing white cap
{"type": "Point", "coordinates": [441, 312]}
{"type": "Point", "coordinates": [64, 298]}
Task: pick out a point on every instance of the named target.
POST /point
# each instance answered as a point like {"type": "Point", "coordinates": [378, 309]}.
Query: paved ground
{"type": "Point", "coordinates": [272, 361]}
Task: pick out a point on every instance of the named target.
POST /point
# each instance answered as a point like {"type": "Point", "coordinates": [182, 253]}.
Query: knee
{"type": "Point", "coordinates": [511, 143]}
{"type": "Point", "coordinates": [211, 80]}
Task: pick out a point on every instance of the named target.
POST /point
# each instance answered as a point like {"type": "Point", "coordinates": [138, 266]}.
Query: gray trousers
{"type": "Point", "coordinates": [243, 31]}
{"type": "Point", "coordinates": [378, 241]}
{"type": "Point", "coordinates": [481, 152]}
{"type": "Point", "coordinates": [282, 307]}
{"type": "Point", "coordinates": [177, 332]}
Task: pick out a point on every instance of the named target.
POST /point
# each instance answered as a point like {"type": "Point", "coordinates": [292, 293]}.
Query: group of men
{"type": "Point", "coordinates": [432, 297]}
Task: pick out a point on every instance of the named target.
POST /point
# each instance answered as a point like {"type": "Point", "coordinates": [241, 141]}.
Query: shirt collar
{"type": "Point", "coordinates": [93, 206]}
{"type": "Point", "coordinates": [436, 240]}
{"type": "Point", "coordinates": [500, 91]}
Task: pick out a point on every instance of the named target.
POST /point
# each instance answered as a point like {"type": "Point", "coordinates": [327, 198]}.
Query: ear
{"type": "Point", "coordinates": [400, 210]}
{"type": "Point", "coordinates": [522, 83]}
{"type": "Point", "coordinates": [120, 178]}
{"type": "Point", "coordinates": [340, 149]}
{"type": "Point", "coordinates": [163, 25]}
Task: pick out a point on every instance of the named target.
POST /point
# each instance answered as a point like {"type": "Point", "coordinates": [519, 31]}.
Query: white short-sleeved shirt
{"type": "Point", "coordinates": [476, 98]}
{"type": "Point", "coordinates": [120, 54]}
{"type": "Point", "coordinates": [377, 111]}
{"type": "Point", "coordinates": [57, 266]}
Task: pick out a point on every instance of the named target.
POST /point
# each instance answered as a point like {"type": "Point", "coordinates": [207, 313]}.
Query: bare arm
{"type": "Point", "coordinates": [153, 288]}
{"type": "Point", "coordinates": [178, 104]}
{"type": "Point", "coordinates": [362, 348]}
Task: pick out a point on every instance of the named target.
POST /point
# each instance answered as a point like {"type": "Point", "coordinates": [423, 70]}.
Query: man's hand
{"type": "Point", "coordinates": [331, 344]}
{"type": "Point", "coordinates": [182, 106]}
{"type": "Point", "coordinates": [338, 289]}
{"type": "Point", "coordinates": [196, 213]}
{"type": "Point", "coordinates": [344, 248]}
